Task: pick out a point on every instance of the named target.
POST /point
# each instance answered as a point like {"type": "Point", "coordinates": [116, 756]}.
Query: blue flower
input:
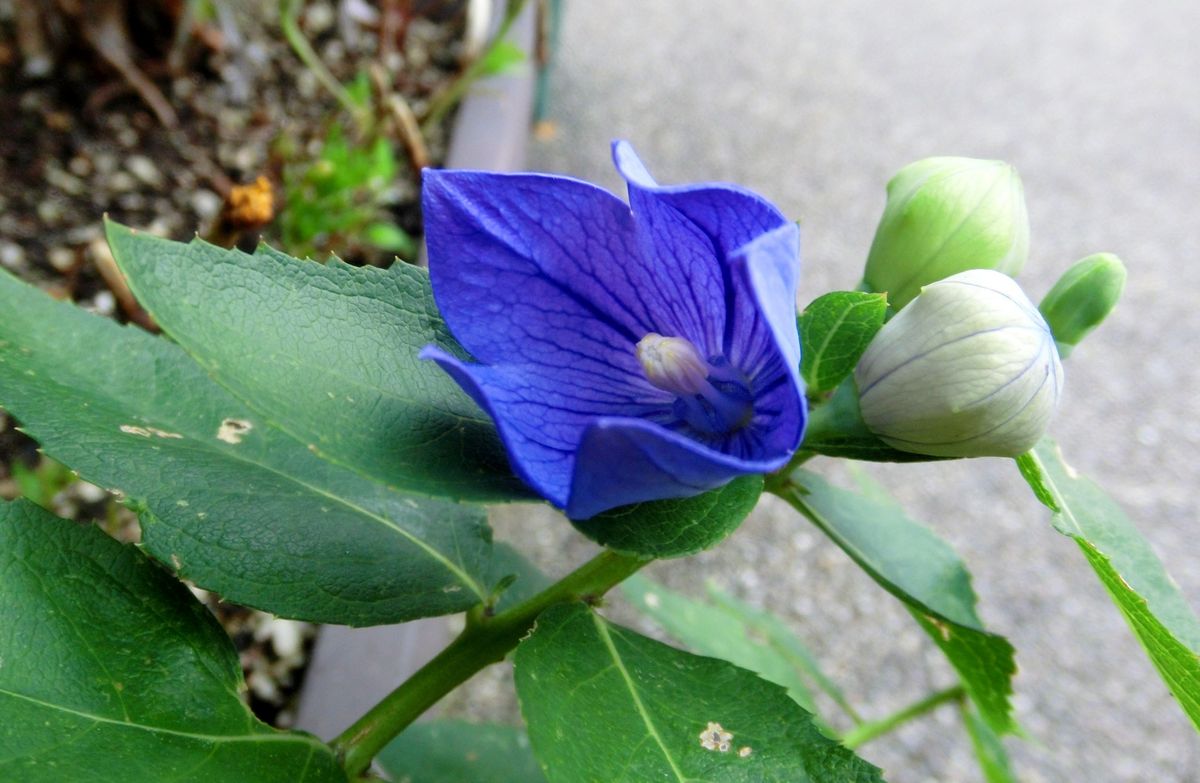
{"type": "Point", "coordinates": [626, 352]}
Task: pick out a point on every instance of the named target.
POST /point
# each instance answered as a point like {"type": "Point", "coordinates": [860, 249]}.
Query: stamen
{"type": "Point", "coordinates": [711, 395]}
{"type": "Point", "coordinates": [672, 364]}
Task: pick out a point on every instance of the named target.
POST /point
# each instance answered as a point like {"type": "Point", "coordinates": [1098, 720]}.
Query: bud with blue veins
{"type": "Point", "coordinates": [968, 369]}
{"type": "Point", "coordinates": [943, 216]}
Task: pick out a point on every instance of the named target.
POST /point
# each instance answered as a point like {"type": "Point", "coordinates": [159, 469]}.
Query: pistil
{"type": "Point", "coordinates": [712, 396]}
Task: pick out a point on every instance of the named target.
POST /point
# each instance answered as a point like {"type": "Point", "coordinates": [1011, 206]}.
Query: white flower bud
{"type": "Point", "coordinates": [968, 369]}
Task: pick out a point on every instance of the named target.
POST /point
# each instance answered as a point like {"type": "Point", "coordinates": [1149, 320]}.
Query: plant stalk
{"type": "Point", "coordinates": [289, 19]}
{"type": "Point", "coordinates": [445, 99]}
{"type": "Point", "coordinates": [485, 640]}
{"type": "Point", "coordinates": [860, 735]}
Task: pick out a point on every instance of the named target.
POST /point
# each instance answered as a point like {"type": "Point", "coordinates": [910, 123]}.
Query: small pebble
{"type": "Point", "coordinates": [183, 88]}
{"type": "Point", "coordinates": [131, 201]}
{"type": "Point", "coordinates": [61, 258]}
{"type": "Point", "coordinates": [103, 303]}
{"type": "Point", "coordinates": [287, 637]}
{"type": "Point", "coordinates": [59, 120]}
{"type": "Point", "coordinates": [247, 158]}
{"type": "Point", "coordinates": [144, 169]}
{"type": "Point", "coordinates": [205, 203]}
{"type": "Point", "coordinates": [263, 687]}
{"type": "Point", "coordinates": [231, 119]}
{"type": "Point", "coordinates": [80, 166]}
{"type": "Point", "coordinates": [318, 17]}
{"type": "Point", "coordinates": [82, 235]}
{"type": "Point", "coordinates": [86, 491]}
{"type": "Point", "coordinates": [38, 66]}
{"type": "Point", "coordinates": [307, 85]}
{"type": "Point", "coordinates": [49, 210]}
{"type": "Point", "coordinates": [161, 226]}
{"type": "Point", "coordinates": [127, 137]}
{"type": "Point", "coordinates": [334, 52]}
{"type": "Point", "coordinates": [12, 255]}
{"type": "Point", "coordinates": [257, 54]}
{"type": "Point", "coordinates": [105, 162]}
{"type": "Point", "coordinates": [121, 182]}
{"type": "Point", "coordinates": [71, 185]}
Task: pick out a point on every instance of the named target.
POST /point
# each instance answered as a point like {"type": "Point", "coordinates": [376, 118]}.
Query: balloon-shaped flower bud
{"type": "Point", "coordinates": [1082, 298]}
{"type": "Point", "coordinates": [944, 216]}
{"type": "Point", "coordinates": [969, 369]}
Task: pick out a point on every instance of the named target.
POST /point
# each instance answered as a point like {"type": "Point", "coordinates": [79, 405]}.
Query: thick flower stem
{"type": "Point", "coordinates": [866, 732]}
{"type": "Point", "coordinates": [486, 640]}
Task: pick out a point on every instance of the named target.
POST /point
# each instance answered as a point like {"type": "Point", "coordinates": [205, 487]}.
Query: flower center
{"type": "Point", "coordinates": [711, 395]}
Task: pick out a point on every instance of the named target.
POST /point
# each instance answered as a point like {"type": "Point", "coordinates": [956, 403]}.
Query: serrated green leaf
{"type": "Point", "coordinates": [329, 353]}
{"type": "Point", "coordinates": [910, 562]}
{"type": "Point", "coordinates": [110, 671]}
{"type": "Point", "coordinates": [1149, 599]}
{"type": "Point", "coordinates": [989, 749]}
{"type": "Point", "coordinates": [835, 329]}
{"type": "Point", "coordinates": [710, 630]}
{"type": "Point", "coordinates": [674, 528]}
{"type": "Point", "coordinates": [226, 498]}
{"type": "Point", "coordinates": [605, 704]}
{"type": "Point", "coordinates": [454, 751]}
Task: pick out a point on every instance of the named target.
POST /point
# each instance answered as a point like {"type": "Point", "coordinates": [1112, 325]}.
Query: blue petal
{"type": "Point", "coordinates": [541, 415]}
{"type": "Point", "coordinates": [688, 231]}
{"type": "Point", "coordinates": [624, 461]}
{"type": "Point", "coordinates": [765, 273]}
{"type": "Point", "coordinates": [544, 269]}
{"type": "Point", "coordinates": [550, 282]}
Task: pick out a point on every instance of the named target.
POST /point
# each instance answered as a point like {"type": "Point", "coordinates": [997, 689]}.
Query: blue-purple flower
{"type": "Point", "coordinates": [626, 352]}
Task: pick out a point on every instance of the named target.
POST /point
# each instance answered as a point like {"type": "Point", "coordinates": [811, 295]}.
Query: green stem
{"type": "Point", "coordinates": [289, 20]}
{"type": "Point", "coordinates": [486, 640]}
{"type": "Point", "coordinates": [863, 734]}
{"type": "Point", "coordinates": [444, 100]}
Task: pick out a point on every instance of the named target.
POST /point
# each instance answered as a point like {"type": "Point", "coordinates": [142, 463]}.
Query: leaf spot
{"type": "Point", "coordinates": [652, 600]}
{"type": "Point", "coordinates": [744, 751]}
{"type": "Point", "coordinates": [146, 432]}
{"type": "Point", "coordinates": [233, 430]}
{"type": "Point", "coordinates": [941, 625]}
{"type": "Point", "coordinates": [714, 737]}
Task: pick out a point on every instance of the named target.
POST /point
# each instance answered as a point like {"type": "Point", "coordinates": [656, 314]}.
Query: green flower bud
{"type": "Point", "coordinates": [969, 369]}
{"type": "Point", "coordinates": [1082, 298]}
{"type": "Point", "coordinates": [944, 216]}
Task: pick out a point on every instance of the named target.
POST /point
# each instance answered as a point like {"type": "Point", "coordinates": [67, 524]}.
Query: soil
{"type": "Point", "coordinates": [77, 141]}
